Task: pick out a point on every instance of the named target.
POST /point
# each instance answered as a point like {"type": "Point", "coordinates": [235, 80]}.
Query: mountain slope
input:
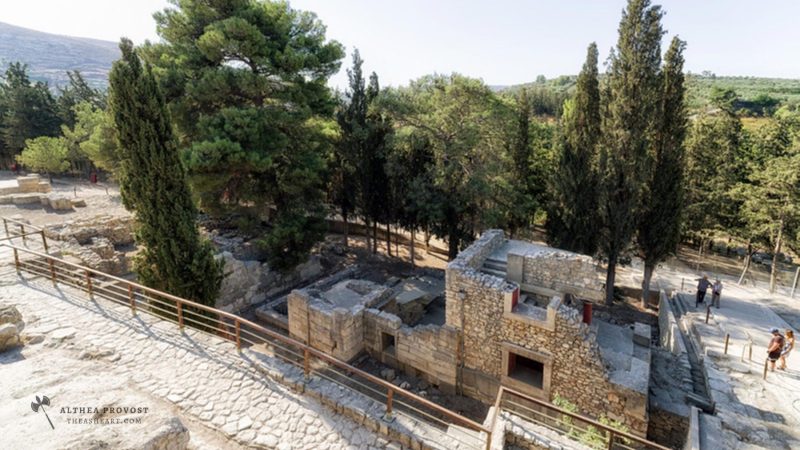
{"type": "Point", "coordinates": [49, 56]}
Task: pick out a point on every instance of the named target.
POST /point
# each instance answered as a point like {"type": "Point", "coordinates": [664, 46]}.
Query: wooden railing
{"type": "Point", "coordinates": [568, 424]}
{"type": "Point", "coordinates": [242, 332]}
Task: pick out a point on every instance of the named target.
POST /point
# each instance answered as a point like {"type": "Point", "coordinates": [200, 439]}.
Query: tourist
{"type": "Point", "coordinates": [702, 287]}
{"type": "Point", "coordinates": [787, 348]}
{"type": "Point", "coordinates": [775, 347]}
{"type": "Point", "coordinates": [716, 291]}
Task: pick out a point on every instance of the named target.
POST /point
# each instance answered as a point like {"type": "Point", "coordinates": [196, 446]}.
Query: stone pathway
{"type": "Point", "coordinates": [751, 412]}
{"type": "Point", "coordinates": [203, 376]}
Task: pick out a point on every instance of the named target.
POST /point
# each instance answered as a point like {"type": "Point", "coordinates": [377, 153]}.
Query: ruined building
{"type": "Point", "coordinates": [512, 317]}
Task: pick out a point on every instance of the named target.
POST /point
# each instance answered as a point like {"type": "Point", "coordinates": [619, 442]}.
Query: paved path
{"type": "Point", "coordinates": [751, 412]}
{"type": "Point", "coordinates": [203, 376]}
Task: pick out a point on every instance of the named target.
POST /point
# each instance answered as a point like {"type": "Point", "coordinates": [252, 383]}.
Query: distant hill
{"type": "Point", "coordinates": [49, 56]}
{"type": "Point", "coordinates": [698, 88]}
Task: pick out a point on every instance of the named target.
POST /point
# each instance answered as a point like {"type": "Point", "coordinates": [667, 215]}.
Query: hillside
{"type": "Point", "coordinates": [49, 56]}
{"type": "Point", "coordinates": [698, 89]}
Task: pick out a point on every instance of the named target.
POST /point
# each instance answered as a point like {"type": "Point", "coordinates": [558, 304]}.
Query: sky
{"type": "Point", "coordinates": [503, 42]}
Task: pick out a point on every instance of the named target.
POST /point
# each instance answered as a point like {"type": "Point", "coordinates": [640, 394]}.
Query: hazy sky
{"type": "Point", "coordinates": [501, 41]}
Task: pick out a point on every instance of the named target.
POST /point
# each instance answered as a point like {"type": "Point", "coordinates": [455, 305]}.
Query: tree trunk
{"type": "Point", "coordinates": [773, 273]}
{"type": "Point", "coordinates": [611, 275]}
{"type": "Point", "coordinates": [648, 274]}
{"type": "Point", "coordinates": [375, 237]}
{"type": "Point", "coordinates": [344, 216]}
{"type": "Point", "coordinates": [452, 247]}
{"type": "Point", "coordinates": [397, 241]}
{"type": "Point", "coordinates": [367, 234]}
{"type": "Point", "coordinates": [427, 236]}
{"type": "Point", "coordinates": [413, 263]}
{"type": "Point", "coordinates": [388, 239]}
{"type": "Point", "coordinates": [746, 263]}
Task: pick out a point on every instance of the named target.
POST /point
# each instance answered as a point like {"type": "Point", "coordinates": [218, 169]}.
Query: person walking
{"type": "Point", "coordinates": [787, 348]}
{"type": "Point", "coordinates": [716, 292]}
{"type": "Point", "coordinates": [702, 287]}
{"type": "Point", "coordinates": [775, 347]}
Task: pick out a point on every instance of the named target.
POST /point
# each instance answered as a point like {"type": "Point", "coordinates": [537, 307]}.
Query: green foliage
{"type": "Point", "coordinates": [154, 187]}
{"type": "Point", "coordinates": [246, 84]}
{"type": "Point", "coordinates": [77, 91]}
{"type": "Point", "coordinates": [572, 210]}
{"type": "Point", "coordinates": [45, 154]}
{"type": "Point", "coordinates": [467, 129]}
{"type": "Point", "coordinates": [588, 435]}
{"type": "Point", "coordinates": [28, 110]}
{"type": "Point", "coordinates": [660, 219]}
{"type": "Point", "coordinates": [633, 95]}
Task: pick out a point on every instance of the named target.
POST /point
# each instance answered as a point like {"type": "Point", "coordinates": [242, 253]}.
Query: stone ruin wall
{"type": "Point", "coordinates": [427, 351]}
{"type": "Point", "coordinates": [336, 331]}
{"type": "Point", "coordinates": [559, 271]}
{"type": "Point", "coordinates": [475, 304]}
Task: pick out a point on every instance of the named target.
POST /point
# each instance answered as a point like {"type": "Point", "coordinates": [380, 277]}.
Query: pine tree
{"type": "Point", "coordinates": [634, 94]}
{"type": "Point", "coordinates": [662, 206]}
{"type": "Point", "coordinates": [572, 212]}
{"type": "Point", "coordinates": [153, 184]}
{"type": "Point", "coordinates": [246, 82]}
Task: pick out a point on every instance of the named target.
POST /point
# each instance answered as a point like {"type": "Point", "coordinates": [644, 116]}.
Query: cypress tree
{"type": "Point", "coordinates": [660, 221]}
{"type": "Point", "coordinates": [572, 213]}
{"type": "Point", "coordinates": [153, 183]}
{"type": "Point", "coordinates": [627, 126]}
{"type": "Point", "coordinates": [527, 187]}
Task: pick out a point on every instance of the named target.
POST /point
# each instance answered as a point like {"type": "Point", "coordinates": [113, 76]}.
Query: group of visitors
{"type": "Point", "coordinates": [779, 348]}
{"type": "Point", "coordinates": [702, 287]}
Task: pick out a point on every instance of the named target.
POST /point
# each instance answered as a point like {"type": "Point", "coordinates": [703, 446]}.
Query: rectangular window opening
{"type": "Point", "coordinates": [387, 343]}
{"type": "Point", "coordinates": [526, 370]}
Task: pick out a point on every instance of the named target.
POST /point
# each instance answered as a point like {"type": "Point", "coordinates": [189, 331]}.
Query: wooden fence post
{"type": "Point", "coordinates": [727, 338]}
{"type": "Point", "coordinates": [52, 270]}
{"type": "Point", "coordinates": [238, 335]}
{"type": "Point", "coordinates": [44, 242]}
{"type": "Point", "coordinates": [22, 231]}
{"type": "Point", "coordinates": [306, 363]}
{"type": "Point", "coordinates": [16, 260]}
{"type": "Point", "coordinates": [130, 298]}
{"type": "Point", "coordinates": [389, 401]}
{"type": "Point", "coordinates": [180, 314]}
{"type": "Point", "coordinates": [5, 225]}
{"type": "Point", "coordinates": [89, 284]}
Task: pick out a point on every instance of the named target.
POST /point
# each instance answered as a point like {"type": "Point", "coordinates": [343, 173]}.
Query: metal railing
{"type": "Point", "coordinates": [567, 424]}
{"type": "Point", "coordinates": [243, 332]}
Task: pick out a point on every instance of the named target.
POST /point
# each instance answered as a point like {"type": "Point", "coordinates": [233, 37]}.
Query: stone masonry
{"type": "Point", "coordinates": [480, 306]}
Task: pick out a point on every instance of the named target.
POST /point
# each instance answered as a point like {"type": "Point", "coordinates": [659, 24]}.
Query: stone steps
{"type": "Point", "coordinates": [495, 267]}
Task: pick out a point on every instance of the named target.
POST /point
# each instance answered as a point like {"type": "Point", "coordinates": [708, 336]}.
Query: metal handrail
{"type": "Point", "coordinates": [238, 322]}
{"type": "Point", "coordinates": [612, 433]}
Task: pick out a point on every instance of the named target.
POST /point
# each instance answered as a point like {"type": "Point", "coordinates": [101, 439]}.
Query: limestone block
{"type": "Point", "coordinates": [9, 336]}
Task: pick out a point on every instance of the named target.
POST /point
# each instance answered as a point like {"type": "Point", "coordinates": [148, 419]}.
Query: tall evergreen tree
{"type": "Point", "coordinates": [526, 187]}
{"type": "Point", "coordinates": [662, 206]}
{"type": "Point", "coordinates": [352, 117]}
{"type": "Point", "coordinates": [154, 186]}
{"type": "Point", "coordinates": [246, 81]}
{"type": "Point", "coordinates": [28, 110]}
{"type": "Point", "coordinates": [572, 212]}
{"type": "Point", "coordinates": [627, 127]}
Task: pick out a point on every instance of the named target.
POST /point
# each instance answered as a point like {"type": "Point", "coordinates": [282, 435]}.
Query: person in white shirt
{"type": "Point", "coordinates": [716, 292]}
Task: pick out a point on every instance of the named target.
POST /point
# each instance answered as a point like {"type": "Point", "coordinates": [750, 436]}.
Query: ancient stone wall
{"type": "Point", "coordinates": [669, 333]}
{"type": "Point", "coordinates": [336, 331]}
{"type": "Point", "coordinates": [478, 305]}
{"type": "Point", "coordinates": [557, 271]}
{"type": "Point", "coordinates": [428, 351]}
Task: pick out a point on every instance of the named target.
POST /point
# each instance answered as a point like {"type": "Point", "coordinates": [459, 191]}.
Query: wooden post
{"type": "Point", "coordinates": [5, 225]}
{"type": "Point", "coordinates": [389, 400]}
{"type": "Point", "coordinates": [89, 284]}
{"type": "Point", "coordinates": [750, 351]}
{"type": "Point", "coordinates": [16, 260]}
{"type": "Point", "coordinates": [238, 335]}
{"type": "Point", "coordinates": [22, 231]}
{"type": "Point", "coordinates": [52, 270]}
{"type": "Point", "coordinates": [727, 338]}
{"type": "Point", "coordinates": [306, 363]}
{"type": "Point", "coordinates": [794, 283]}
{"type": "Point", "coordinates": [130, 298]}
{"type": "Point", "coordinates": [44, 242]}
{"type": "Point", "coordinates": [766, 364]}
{"type": "Point", "coordinates": [708, 311]}
{"type": "Point", "coordinates": [180, 314]}
{"type": "Point", "coordinates": [610, 440]}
